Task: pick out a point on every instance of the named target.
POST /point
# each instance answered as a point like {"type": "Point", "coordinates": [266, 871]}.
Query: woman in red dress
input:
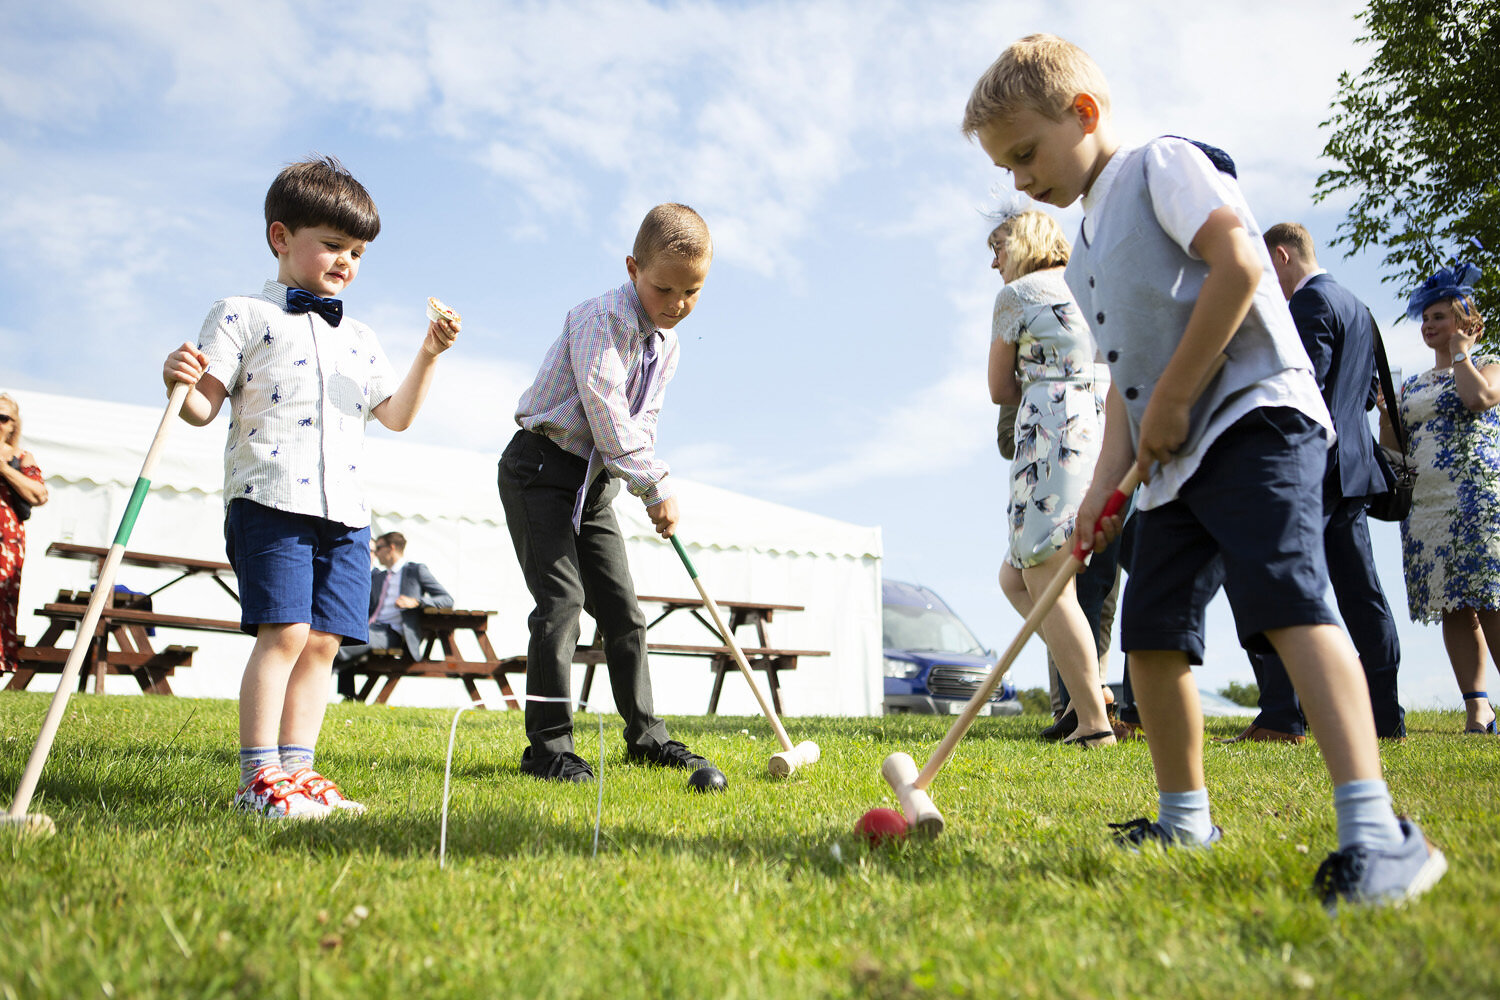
{"type": "Point", "coordinates": [21, 488]}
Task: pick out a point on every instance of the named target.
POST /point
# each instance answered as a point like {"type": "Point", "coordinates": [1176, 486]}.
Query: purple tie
{"type": "Point", "coordinates": [385, 586]}
{"type": "Point", "coordinates": [643, 387]}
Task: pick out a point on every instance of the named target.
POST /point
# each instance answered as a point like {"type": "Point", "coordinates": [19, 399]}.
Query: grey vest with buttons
{"type": "Point", "coordinates": [1138, 287]}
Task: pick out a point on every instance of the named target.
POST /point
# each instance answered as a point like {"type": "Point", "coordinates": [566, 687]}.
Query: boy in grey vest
{"type": "Point", "coordinates": [1171, 271]}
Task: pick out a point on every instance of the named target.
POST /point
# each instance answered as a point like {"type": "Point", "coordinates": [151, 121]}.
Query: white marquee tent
{"type": "Point", "coordinates": [745, 549]}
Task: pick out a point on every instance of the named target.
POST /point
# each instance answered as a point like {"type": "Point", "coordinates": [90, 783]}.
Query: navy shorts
{"type": "Point", "coordinates": [1250, 519]}
{"type": "Point", "coordinates": [296, 568]}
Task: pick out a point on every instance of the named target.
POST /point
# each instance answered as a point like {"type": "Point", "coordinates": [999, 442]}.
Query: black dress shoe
{"type": "Point", "coordinates": [1062, 728]}
{"type": "Point", "coordinates": [668, 754]}
{"type": "Point", "coordinates": [565, 766]}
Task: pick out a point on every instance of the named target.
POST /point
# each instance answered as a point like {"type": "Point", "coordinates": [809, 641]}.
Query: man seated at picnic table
{"type": "Point", "coordinates": [399, 590]}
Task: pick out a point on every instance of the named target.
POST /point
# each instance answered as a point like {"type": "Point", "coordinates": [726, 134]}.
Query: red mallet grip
{"type": "Point", "coordinates": [1112, 507]}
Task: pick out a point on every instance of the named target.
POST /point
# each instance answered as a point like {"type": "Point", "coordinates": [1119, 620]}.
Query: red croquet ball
{"type": "Point", "coordinates": [878, 826]}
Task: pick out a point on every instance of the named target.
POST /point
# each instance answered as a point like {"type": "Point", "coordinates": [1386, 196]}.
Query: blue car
{"type": "Point", "coordinates": [933, 663]}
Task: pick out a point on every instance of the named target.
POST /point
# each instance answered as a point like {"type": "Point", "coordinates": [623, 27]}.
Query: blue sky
{"type": "Point", "coordinates": [836, 359]}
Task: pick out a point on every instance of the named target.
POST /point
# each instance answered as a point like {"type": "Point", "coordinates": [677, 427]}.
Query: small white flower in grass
{"type": "Point", "coordinates": [837, 852]}
{"type": "Point", "coordinates": [1301, 848]}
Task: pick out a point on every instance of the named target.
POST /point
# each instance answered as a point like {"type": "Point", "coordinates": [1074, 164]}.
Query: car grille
{"type": "Point", "coordinates": [948, 681]}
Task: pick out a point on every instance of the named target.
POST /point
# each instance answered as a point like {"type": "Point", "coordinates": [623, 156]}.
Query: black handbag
{"type": "Point", "coordinates": [21, 507]}
{"type": "Point", "coordinates": [1401, 477]}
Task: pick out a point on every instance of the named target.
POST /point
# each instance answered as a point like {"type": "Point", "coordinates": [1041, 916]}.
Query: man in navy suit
{"type": "Point", "coordinates": [1339, 335]}
{"type": "Point", "coordinates": [399, 590]}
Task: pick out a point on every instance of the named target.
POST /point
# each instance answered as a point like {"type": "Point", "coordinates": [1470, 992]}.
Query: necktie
{"type": "Point", "coordinates": [301, 301]}
{"type": "Point", "coordinates": [385, 587]}
{"type": "Point", "coordinates": [638, 398]}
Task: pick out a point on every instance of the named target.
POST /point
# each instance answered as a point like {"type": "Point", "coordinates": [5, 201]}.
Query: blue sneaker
{"type": "Point", "coordinates": [1131, 835]}
{"type": "Point", "coordinates": [1372, 877]}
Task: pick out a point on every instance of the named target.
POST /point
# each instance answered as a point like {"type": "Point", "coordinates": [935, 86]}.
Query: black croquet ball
{"type": "Point", "coordinates": [708, 779]}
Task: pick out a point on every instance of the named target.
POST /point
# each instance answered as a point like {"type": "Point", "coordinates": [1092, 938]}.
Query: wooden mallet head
{"type": "Point", "coordinates": [900, 772]}
{"type": "Point", "coordinates": [787, 761]}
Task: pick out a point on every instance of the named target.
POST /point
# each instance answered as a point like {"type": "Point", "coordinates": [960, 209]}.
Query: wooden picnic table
{"type": "Point", "coordinates": [128, 625]}
{"type": "Point", "coordinates": [182, 565]}
{"type": "Point", "coordinates": [761, 655]}
{"type": "Point", "coordinates": [440, 628]}
{"type": "Point", "coordinates": [126, 622]}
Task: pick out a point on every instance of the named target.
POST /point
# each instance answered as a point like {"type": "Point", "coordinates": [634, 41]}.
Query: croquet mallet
{"type": "Point", "coordinates": [17, 818]}
{"type": "Point", "coordinates": [899, 770]}
{"type": "Point", "coordinates": [790, 757]}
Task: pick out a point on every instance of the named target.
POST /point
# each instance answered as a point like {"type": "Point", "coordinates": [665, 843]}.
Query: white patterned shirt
{"type": "Point", "coordinates": [300, 393]}
{"type": "Point", "coordinates": [581, 396]}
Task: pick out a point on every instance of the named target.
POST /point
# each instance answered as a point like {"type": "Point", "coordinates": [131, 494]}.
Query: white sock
{"type": "Point", "coordinates": [1185, 815]}
{"type": "Point", "coordinates": [1365, 816]}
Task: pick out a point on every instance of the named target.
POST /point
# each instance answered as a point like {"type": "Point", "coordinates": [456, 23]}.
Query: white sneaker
{"type": "Point", "coordinates": [323, 791]}
{"type": "Point", "coordinates": [273, 794]}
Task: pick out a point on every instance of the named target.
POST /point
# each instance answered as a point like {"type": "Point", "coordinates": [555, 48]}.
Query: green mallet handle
{"type": "Point", "coordinates": [102, 590]}
{"type": "Point", "coordinates": [734, 648]}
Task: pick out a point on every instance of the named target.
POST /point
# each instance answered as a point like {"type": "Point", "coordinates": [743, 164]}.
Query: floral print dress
{"type": "Point", "coordinates": [12, 555]}
{"type": "Point", "coordinates": [1451, 540]}
{"type": "Point", "coordinates": [1060, 423]}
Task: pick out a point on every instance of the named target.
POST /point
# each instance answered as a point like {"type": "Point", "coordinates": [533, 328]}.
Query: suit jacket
{"type": "Point", "coordinates": [416, 581]}
{"type": "Point", "coordinates": [1339, 335]}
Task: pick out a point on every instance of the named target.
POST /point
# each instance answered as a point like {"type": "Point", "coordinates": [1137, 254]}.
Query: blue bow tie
{"type": "Point", "coordinates": [300, 301]}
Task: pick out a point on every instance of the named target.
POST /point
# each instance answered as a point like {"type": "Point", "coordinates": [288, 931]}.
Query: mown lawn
{"type": "Point", "coordinates": [153, 888]}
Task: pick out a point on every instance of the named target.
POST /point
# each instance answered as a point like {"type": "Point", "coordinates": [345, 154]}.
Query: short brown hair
{"type": "Point", "coordinates": [1032, 240]}
{"type": "Point", "coordinates": [675, 229]}
{"type": "Point", "coordinates": [1295, 237]}
{"type": "Point", "coordinates": [1042, 73]}
{"type": "Point", "coordinates": [394, 539]}
{"type": "Point", "coordinates": [321, 192]}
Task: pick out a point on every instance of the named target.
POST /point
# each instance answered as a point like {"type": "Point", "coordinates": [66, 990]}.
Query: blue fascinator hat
{"type": "Point", "coordinates": [1451, 282]}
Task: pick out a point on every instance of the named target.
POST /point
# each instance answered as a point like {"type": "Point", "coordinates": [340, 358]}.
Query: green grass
{"type": "Point", "coordinates": [153, 888]}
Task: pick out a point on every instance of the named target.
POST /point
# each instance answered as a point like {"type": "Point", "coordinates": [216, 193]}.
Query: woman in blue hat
{"type": "Point", "coordinates": [1451, 540]}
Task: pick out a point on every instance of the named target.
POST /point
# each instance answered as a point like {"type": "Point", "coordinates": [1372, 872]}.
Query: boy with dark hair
{"type": "Point", "coordinates": [588, 422]}
{"type": "Point", "coordinates": [302, 380]}
{"type": "Point", "coordinates": [1170, 270]}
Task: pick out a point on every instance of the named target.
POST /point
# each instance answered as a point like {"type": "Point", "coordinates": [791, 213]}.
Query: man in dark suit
{"type": "Point", "coordinates": [1339, 335]}
{"type": "Point", "coordinates": [399, 590]}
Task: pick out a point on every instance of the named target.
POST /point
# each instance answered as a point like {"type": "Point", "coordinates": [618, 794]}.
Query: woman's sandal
{"type": "Point", "coordinates": [1489, 730]}
{"type": "Point", "coordinates": [1103, 738]}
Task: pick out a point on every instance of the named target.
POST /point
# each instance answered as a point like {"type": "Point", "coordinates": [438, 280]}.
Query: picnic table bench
{"type": "Point", "coordinates": [761, 656]}
{"type": "Point", "coordinates": [127, 621]}
{"type": "Point", "coordinates": [440, 627]}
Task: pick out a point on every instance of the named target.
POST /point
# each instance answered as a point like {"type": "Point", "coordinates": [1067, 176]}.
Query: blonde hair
{"type": "Point", "coordinates": [675, 229]}
{"type": "Point", "coordinates": [14, 437]}
{"type": "Point", "coordinates": [1032, 241]}
{"type": "Point", "coordinates": [1468, 314]}
{"type": "Point", "coordinates": [1042, 73]}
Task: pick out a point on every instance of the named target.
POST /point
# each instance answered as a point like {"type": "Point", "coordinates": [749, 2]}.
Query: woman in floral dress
{"type": "Point", "coordinates": [1451, 540]}
{"type": "Point", "coordinates": [1042, 359]}
{"type": "Point", "coordinates": [21, 488]}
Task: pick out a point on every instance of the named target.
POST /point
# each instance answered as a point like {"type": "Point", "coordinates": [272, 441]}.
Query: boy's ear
{"type": "Point", "coordinates": [631, 267]}
{"type": "Point", "coordinates": [277, 234]}
{"type": "Point", "coordinates": [1086, 108]}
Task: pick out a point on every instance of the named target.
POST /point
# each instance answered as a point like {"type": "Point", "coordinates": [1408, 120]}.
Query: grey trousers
{"type": "Point", "coordinates": [568, 574]}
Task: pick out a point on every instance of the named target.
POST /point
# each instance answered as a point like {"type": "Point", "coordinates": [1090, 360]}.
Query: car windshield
{"type": "Point", "coordinates": [926, 630]}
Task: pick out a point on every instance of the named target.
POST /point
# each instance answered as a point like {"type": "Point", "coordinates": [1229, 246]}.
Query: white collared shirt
{"type": "Point", "coordinates": [300, 392]}
{"type": "Point", "coordinates": [1308, 277]}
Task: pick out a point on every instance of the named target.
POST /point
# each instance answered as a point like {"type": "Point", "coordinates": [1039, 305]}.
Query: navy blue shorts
{"type": "Point", "coordinates": [296, 568]}
{"type": "Point", "coordinates": [1250, 519]}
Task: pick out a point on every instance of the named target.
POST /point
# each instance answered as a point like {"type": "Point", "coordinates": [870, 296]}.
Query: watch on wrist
{"type": "Point", "coordinates": [1460, 357]}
